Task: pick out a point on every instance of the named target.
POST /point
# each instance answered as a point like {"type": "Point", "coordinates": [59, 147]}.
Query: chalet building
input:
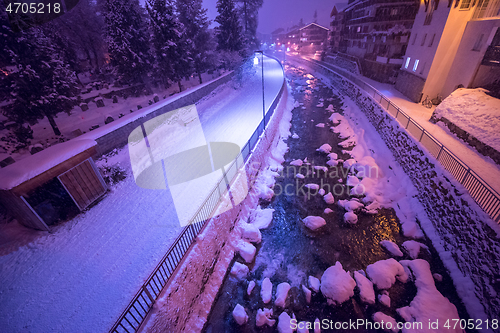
{"type": "Point", "coordinates": [335, 40]}
{"type": "Point", "coordinates": [454, 43]}
{"type": "Point", "coordinates": [377, 33]}
{"type": "Point", "coordinates": [308, 39]}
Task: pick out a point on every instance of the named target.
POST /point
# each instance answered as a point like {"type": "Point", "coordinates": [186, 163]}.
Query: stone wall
{"type": "Point", "coordinates": [464, 231]}
{"type": "Point", "coordinates": [410, 85]}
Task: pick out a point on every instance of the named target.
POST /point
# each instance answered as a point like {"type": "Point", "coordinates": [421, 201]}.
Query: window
{"type": "Point", "coordinates": [407, 62]}
{"type": "Point", "coordinates": [465, 4]}
{"type": "Point", "coordinates": [423, 40]}
{"type": "Point", "coordinates": [415, 65]}
{"type": "Point", "coordinates": [432, 40]}
{"type": "Point", "coordinates": [414, 39]}
{"type": "Point", "coordinates": [478, 44]}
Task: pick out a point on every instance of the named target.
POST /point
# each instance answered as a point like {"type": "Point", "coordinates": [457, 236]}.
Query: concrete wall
{"type": "Point", "coordinates": [410, 85]}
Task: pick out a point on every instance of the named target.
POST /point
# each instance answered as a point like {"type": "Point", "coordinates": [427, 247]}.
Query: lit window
{"type": "Point", "coordinates": [415, 65]}
{"type": "Point", "coordinates": [407, 62]}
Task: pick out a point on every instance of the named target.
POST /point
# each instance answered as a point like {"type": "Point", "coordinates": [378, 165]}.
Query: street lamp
{"type": "Point", "coordinates": [263, 102]}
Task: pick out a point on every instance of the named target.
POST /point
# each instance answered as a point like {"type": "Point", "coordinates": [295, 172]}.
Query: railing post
{"type": "Point", "coordinates": [439, 154]}
{"type": "Point", "coordinates": [421, 137]}
{"type": "Point", "coordinates": [465, 176]}
{"type": "Point", "coordinates": [149, 295]}
{"type": "Point", "coordinates": [408, 123]}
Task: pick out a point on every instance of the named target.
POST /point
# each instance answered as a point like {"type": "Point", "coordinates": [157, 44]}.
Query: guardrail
{"type": "Point", "coordinates": [484, 195]}
{"type": "Point", "coordinates": [133, 316]}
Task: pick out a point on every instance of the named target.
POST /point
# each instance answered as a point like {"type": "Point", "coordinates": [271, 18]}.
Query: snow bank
{"type": "Point", "coordinates": [240, 315]}
{"type": "Point", "coordinates": [281, 294]}
{"type": "Point", "coordinates": [261, 218]}
{"type": "Point", "coordinates": [264, 318]}
{"type": "Point", "coordinates": [337, 285]}
{"type": "Point", "coordinates": [475, 112]}
{"type": "Point", "coordinates": [365, 286]}
{"type": "Point", "coordinates": [429, 305]}
{"type": "Point", "coordinates": [266, 290]}
{"type": "Point", "coordinates": [383, 273]}
{"type": "Point", "coordinates": [392, 247]}
{"type": "Point", "coordinates": [413, 248]}
{"type": "Point", "coordinates": [314, 222]}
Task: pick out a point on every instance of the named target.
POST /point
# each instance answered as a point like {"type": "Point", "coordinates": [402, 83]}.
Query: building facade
{"type": "Point", "coordinates": [306, 40]}
{"type": "Point", "coordinates": [335, 39]}
{"type": "Point", "coordinates": [453, 44]}
{"type": "Point", "coordinates": [377, 33]}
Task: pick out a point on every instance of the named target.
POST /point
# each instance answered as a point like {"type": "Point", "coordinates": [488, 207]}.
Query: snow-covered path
{"type": "Point", "coordinates": [81, 277]}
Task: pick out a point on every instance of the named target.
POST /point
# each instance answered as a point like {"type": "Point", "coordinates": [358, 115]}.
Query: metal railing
{"type": "Point", "coordinates": [133, 316]}
{"type": "Point", "coordinates": [484, 195]}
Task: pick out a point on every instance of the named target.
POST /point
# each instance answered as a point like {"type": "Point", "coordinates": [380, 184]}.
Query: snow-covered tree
{"type": "Point", "coordinates": [39, 82]}
{"type": "Point", "coordinates": [249, 10]}
{"type": "Point", "coordinates": [172, 59]}
{"type": "Point", "coordinates": [229, 35]}
{"type": "Point", "coordinates": [198, 39]}
{"type": "Point", "coordinates": [127, 38]}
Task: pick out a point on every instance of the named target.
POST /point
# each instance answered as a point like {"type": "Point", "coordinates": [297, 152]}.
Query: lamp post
{"type": "Point", "coordinates": [263, 101]}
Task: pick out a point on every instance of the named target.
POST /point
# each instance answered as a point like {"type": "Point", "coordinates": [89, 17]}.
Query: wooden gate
{"type": "Point", "coordinates": [83, 183]}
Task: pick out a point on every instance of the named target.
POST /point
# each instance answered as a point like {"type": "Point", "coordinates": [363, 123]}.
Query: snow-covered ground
{"type": "Point", "coordinates": [473, 111]}
{"type": "Point", "coordinates": [80, 277]}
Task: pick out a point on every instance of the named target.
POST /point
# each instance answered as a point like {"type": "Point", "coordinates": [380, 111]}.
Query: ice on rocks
{"type": "Point", "coordinates": [314, 222]}
{"type": "Point", "coordinates": [337, 285]}
{"type": "Point", "coordinates": [392, 247]}
{"type": "Point", "coordinates": [365, 286]}
{"type": "Point", "coordinates": [240, 315]}
{"type": "Point", "coordinates": [413, 248]}
{"type": "Point", "coordinates": [281, 294]}
{"type": "Point", "coordinates": [266, 290]}
{"type": "Point", "coordinates": [239, 270]}
{"type": "Point", "coordinates": [325, 148]}
{"type": "Point", "coordinates": [246, 251]}
{"type": "Point", "coordinates": [263, 317]}
{"type": "Point", "coordinates": [329, 199]}
{"type": "Point", "coordinates": [314, 283]}
{"type": "Point", "coordinates": [384, 273]}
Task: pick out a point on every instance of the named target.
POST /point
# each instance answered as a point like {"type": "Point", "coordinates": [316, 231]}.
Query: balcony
{"type": "Point", "coordinates": [492, 56]}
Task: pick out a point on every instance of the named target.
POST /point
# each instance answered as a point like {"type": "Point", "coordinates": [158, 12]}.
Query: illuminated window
{"type": "Point", "coordinates": [407, 62]}
{"type": "Point", "coordinates": [415, 65]}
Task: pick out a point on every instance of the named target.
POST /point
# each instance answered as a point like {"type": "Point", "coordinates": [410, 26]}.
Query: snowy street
{"type": "Point", "coordinates": [81, 277]}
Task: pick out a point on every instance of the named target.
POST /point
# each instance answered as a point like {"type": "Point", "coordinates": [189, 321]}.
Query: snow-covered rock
{"type": "Point", "coordinates": [429, 305]}
{"type": "Point", "coordinates": [261, 218]}
{"type": "Point", "coordinates": [307, 294]}
{"type": "Point", "coordinates": [314, 283]}
{"type": "Point", "coordinates": [321, 191]}
{"type": "Point", "coordinates": [296, 162]}
{"type": "Point", "coordinates": [384, 273]}
{"type": "Point", "coordinates": [302, 327]}
{"type": "Point", "coordinates": [392, 247]}
{"type": "Point", "coordinates": [317, 326]}
{"type": "Point", "coordinates": [246, 251]}
{"type": "Point", "coordinates": [349, 163]}
{"type": "Point", "coordinates": [240, 315]}
{"type": "Point", "coordinates": [250, 233]}
{"type": "Point", "coordinates": [350, 218]}
{"type": "Point", "coordinates": [329, 199]}
{"type": "Point", "coordinates": [295, 136]}
{"type": "Point", "coordinates": [336, 118]}
{"type": "Point", "coordinates": [263, 317]}
{"type": "Point", "coordinates": [413, 248]}
{"type": "Point", "coordinates": [438, 277]}
{"type": "Point", "coordinates": [266, 290]}
{"type": "Point", "coordinates": [250, 287]}
{"type": "Point", "coordinates": [385, 300]}
{"type": "Point", "coordinates": [350, 205]}
{"type": "Point", "coordinates": [352, 181]}
{"type": "Point", "coordinates": [365, 286]}
{"type": "Point", "coordinates": [239, 270]}
{"type": "Point", "coordinates": [314, 222]}
{"type": "Point", "coordinates": [327, 211]}
{"type": "Point", "coordinates": [320, 125]}
{"type": "Point", "coordinates": [284, 321]}
{"type": "Point", "coordinates": [389, 323]}
{"type": "Point", "coordinates": [337, 285]}
{"type": "Point", "coordinates": [281, 294]}
{"type": "Point", "coordinates": [325, 148]}
{"type": "Point", "coordinates": [332, 156]}
{"type": "Point", "coordinates": [300, 176]}
{"type": "Point", "coordinates": [314, 187]}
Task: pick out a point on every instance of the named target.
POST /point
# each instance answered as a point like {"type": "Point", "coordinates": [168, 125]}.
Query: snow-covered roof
{"type": "Point", "coordinates": [316, 24]}
{"type": "Point", "coordinates": [34, 165]}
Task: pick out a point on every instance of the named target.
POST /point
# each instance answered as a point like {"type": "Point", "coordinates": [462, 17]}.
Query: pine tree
{"type": "Point", "coordinates": [127, 39]}
{"type": "Point", "coordinates": [249, 10]}
{"type": "Point", "coordinates": [229, 30]}
{"type": "Point", "coordinates": [198, 38]}
{"type": "Point", "coordinates": [40, 83]}
{"type": "Point", "coordinates": [172, 60]}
